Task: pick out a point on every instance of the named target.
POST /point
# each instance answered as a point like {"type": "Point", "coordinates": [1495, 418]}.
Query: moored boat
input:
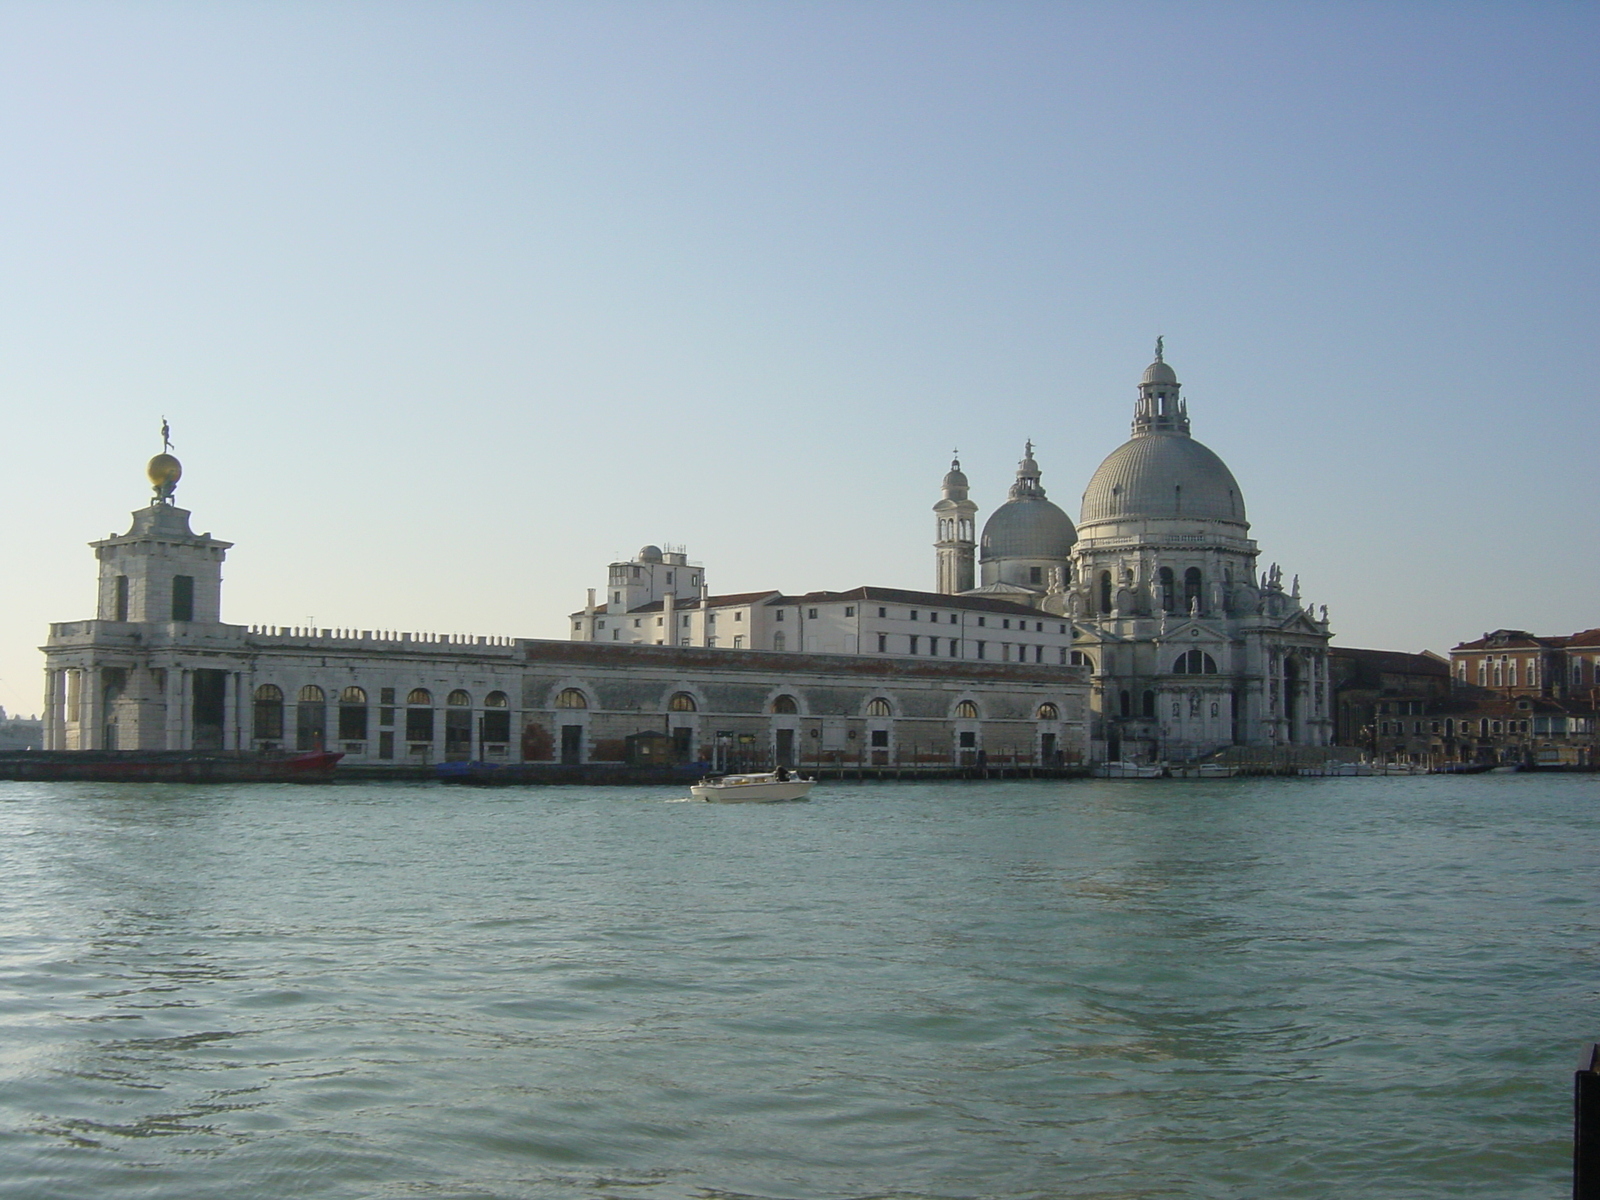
{"type": "Point", "coordinates": [1130, 770]}
{"type": "Point", "coordinates": [752, 789]}
{"type": "Point", "coordinates": [171, 766]}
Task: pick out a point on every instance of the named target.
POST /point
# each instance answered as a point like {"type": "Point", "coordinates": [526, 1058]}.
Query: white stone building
{"type": "Point", "coordinates": [157, 668]}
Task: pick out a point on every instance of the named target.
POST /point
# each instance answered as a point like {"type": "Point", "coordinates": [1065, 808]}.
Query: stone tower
{"type": "Point", "coordinates": [956, 546]}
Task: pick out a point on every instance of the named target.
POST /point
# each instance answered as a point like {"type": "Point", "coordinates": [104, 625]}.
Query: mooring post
{"type": "Point", "coordinates": [1586, 1126]}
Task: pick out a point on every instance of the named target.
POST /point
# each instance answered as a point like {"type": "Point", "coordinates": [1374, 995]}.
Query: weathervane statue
{"type": "Point", "coordinates": [164, 470]}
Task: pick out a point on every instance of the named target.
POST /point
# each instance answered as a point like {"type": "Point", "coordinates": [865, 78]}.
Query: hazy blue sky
{"type": "Point", "coordinates": [449, 304]}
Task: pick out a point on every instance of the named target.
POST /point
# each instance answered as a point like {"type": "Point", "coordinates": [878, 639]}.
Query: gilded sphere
{"type": "Point", "coordinates": [164, 470]}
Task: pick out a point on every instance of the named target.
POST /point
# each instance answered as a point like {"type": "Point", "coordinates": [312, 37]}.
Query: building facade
{"type": "Point", "coordinates": [157, 668]}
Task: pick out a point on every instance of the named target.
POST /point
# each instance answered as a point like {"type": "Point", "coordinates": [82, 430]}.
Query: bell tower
{"type": "Point", "coordinates": [957, 543]}
{"type": "Point", "coordinates": [160, 570]}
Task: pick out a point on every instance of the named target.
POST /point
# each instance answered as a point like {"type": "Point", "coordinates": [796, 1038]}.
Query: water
{"type": "Point", "coordinates": [1326, 988]}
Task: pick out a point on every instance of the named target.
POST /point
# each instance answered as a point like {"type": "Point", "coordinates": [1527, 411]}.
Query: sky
{"type": "Point", "coordinates": [451, 304]}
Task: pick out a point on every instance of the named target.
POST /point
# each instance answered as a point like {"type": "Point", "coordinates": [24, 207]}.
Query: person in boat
{"type": "Point", "coordinates": [783, 774]}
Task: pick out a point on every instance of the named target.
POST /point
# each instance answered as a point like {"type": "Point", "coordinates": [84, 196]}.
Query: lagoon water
{"type": "Point", "coordinates": [1371, 988]}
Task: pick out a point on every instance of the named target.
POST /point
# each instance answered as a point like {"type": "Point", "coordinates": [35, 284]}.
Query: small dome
{"type": "Point", "coordinates": [650, 554]}
{"type": "Point", "coordinates": [1162, 475]}
{"type": "Point", "coordinates": [1028, 527]}
{"type": "Point", "coordinates": [1160, 373]}
{"type": "Point", "coordinates": [956, 476]}
{"type": "Point", "coordinates": [164, 470]}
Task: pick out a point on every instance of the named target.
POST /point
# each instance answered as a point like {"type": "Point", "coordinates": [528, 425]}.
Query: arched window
{"type": "Point", "coordinates": [572, 698]}
{"type": "Point", "coordinates": [779, 642]}
{"type": "Point", "coordinates": [419, 696]}
{"type": "Point", "coordinates": [682, 702]}
{"type": "Point", "coordinates": [352, 715]}
{"type": "Point", "coordinates": [879, 707]}
{"type": "Point", "coordinates": [496, 720]}
{"type": "Point", "coordinates": [1105, 591]}
{"type": "Point", "coordinates": [459, 699]}
{"type": "Point", "coordinates": [1195, 662]}
{"type": "Point", "coordinates": [966, 711]}
{"type": "Point", "coordinates": [311, 719]}
{"type": "Point", "coordinates": [1080, 659]}
{"type": "Point", "coordinates": [1169, 590]}
{"type": "Point", "coordinates": [1049, 712]}
{"type": "Point", "coordinates": [1191, 587]}
{"type": "Point", "coordinates": [785, 704]}
{"type": "Point", "coordinates": [269, 712]}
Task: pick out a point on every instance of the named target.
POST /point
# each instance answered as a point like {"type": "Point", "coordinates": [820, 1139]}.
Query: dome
{"type": "Point", "coordinates": [957, 477]}
{"type": "Point", "coordinates": [1162, 475]}
{"type": "Point", "coordinates": [1028, 527]}
{"type": "Point", "coordinates": [1159, 372]}
{"type": "Point", "coordinates": [650, 554]}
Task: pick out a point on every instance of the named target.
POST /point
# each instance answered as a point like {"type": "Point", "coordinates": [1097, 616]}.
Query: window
{"type": "Point", "coordinates": [419, 696]}
{"type": "Point", "coordinates": [952, 618]}
{"type": "Point", "coordinates": [1063, 629]}
{"type": "Point", "coordinates": [1079, 659]}
{"type": "Point", "coordinates": [459, 699]}
{"type": "Point", "coordinates": [311, 718]}
{"type": "Point", "coordinates": [849, 610]}
{"type": "Point", "coordinates": [1049, 712]}
{"type": "Point", "coordinates": [122, 599]}
{"type": "Point", "coordinates": [955, 648]}
{"type": "Point", "coordinates": [738, 616]}
{"type": "Point", "coordinates": [352, 715]}
{"type": "Point", "coordinates": [1169, 589]}
{"type": "Point", "coordinates": [785, 704]}
{"type": "Point", "coordinates": [913, 640]}
{"type": "Point", "coordinates": [183, 597]}
{"type": "Point", "coordinates": [981, 648]}
{"type": "Point", "coordinates": [779, 641]}
{"type": "Point", "coordinates": [599, 624]}
{"type": "Point", "coordinates": [880, 738]}
{"type": "Point", "coordinates": [1105, 591]}
{"type": "Point", "coordinates": [636, 622]}
{"type": "Point", "coordinates": [682, 702]}
{"type": "Point", "coordinates": [738, 641]}
{"type": "Point", "coordinates": [1006, 624]}
{"type": "Point", "coordinates": [1195, 662]}
{"type": "Point", "coordinates": [1191, 587]}
{"type": "Point", "coordinates": [982, 621]}
{"type": "Point", "coordinates": [269, 711]}
{"type": "Point", "coordinates": [1035, 574]}
{"type": "Point", "coordinates": [913, 614]}
{"type": "Point", "coordinates": [883, 643]}
{"type": "Point", "coordinates": [386, 696]}
{"type": "Point", "coordinates": [779, 615]}
{"type": "Point", "coordinates": [1150, 705]}
{"type": "Point", "coordinates": [966, 711]}
{"type": "Point", "coordinates": [883, 612]}
{"type": "Point", "coordinates": [572, 698]}
{"type": "Point", "coordinates": [811, 614]}
{"type": "Point", "coordinates": [879, 707]}
{"type": "Point", "coordinates": [1038, 626]}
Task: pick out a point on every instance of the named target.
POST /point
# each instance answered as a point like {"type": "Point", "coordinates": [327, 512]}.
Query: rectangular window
{"type": "Point", "coordinates": [849, 610]}
{"type": "Point", "coordinates": [1063, 629]}
{"type": "Point", "coordinates": [983, 621]}
{"type": "Point", "coordinates": [952, 618]}
{"type": "Point", "coordinates": [913, 640]}
{"type": "Point", "coordinates": [880, 737]}
{"type": "Point", "coordinates": [386, 696]}
{"type": "Point", "coordinates": [599, 624]}
{"type": "Point", "coordinates": [981, 646]}
{"type": "Point", "coordinates": [779, 615]}
{"type": "Point", "coordinates": [883, 643]}
{"type": "Point", "coordinates": [738, 616]}
{"type": "Point", "coordinates": [811, 613]}
{"type": "Point", "coordinates": [183, 597]}
{"type": "Point", "coordinates": [1006, 624]}
{"type": "Point", "coordinates": [386, 715]}
{"type": "Point", "coordinates": [386, 744]}
{"type": "Point", "coordinates": [419, 724]}
{"type": "Point", "coordinates": [685, 622]}
{"type": "Point", "coordinates": [636, 622]}
{"type": "Point", "coordinates": [955, 648]}
{"type": "Point", "coordinates": [122, 598]}
{"type": "Point", "coordinates": [1063, 656]}
{"type": "Point", "coordinates": [913, 614]}
{"type": "Point", "coordinates": [1038, 626]}
{"type": "Point", "coordinates": [883, 612]}
{"type": "Point", "coordinates": [738, 641]}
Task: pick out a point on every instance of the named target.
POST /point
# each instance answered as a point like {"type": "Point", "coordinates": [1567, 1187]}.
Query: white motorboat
{"type": "Point", "coordinates": [1205, 771]}
{"type": "Point", "coordinates": [752, 789]}
{"type": "Point", "coordinates": [1130, 770]}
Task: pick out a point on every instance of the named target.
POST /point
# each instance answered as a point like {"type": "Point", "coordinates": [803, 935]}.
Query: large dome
{"type": "Point", "coordinates": [1162, 475]}
{"type": "Point", "coordinates": [1028, 527]}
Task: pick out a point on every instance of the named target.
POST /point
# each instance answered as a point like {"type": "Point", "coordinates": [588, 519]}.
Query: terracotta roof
{"type": "Point", "coordinates": [1511, 639]}
{"type": "Point", "coordinates": [1589, 637]}
{"type": "Point", "coordinates": [1396, 661]}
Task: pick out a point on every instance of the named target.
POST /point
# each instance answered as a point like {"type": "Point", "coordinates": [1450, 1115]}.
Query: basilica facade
{"type": "Point", "coordinates": [1189, 645]}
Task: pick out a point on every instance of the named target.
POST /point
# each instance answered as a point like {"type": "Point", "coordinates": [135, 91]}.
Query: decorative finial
{"type": "Point", "coordinates": [1159, 341]}
{"type": "Point", "coordinates": [1027, 448]}
{"type": "Point", "coordinates": [164, 470]}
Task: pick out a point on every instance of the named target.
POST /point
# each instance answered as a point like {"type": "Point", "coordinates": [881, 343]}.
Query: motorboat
{"type": "Point", "coordinates": [1205, 771]}
{"type": "Point", "coordinates": [757, 788]}
{"type": "Point", "coordinates": [1130, 770]}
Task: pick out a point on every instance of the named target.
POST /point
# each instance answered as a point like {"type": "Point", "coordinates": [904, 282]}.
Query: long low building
{"type": "Point", "coordinates": [157, 668]}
